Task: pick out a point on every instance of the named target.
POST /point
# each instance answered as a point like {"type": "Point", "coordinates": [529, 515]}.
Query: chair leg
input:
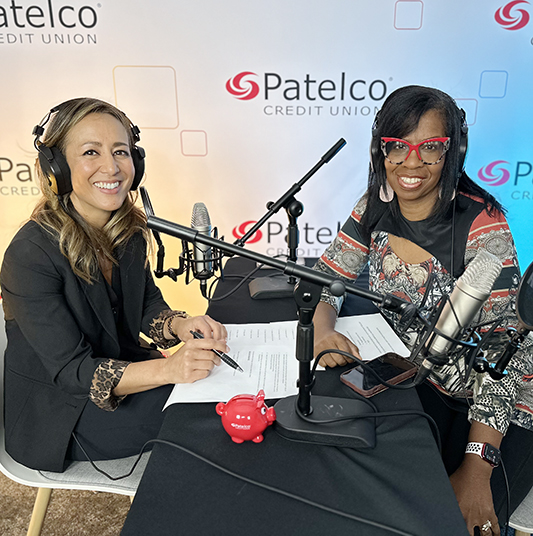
{"type": "Point", "coordinates": [131, 498]}
{"type": "Point", "coordinates": [39, 511]}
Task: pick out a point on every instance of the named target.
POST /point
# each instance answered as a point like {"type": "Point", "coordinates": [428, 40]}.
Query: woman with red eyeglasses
{"type": "Point", "coordinates": [419, 224]}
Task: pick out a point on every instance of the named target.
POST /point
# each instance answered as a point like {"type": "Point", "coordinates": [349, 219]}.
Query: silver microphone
{"type": "Point", "coordinates": [203, 266]}
{"type": "Point", "coordinates": [470, 293]}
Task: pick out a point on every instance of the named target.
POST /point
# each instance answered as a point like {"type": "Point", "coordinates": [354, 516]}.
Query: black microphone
{"type": "Point", "coordinates": [470, 293]}
{"type": "Point", "coordinates": [202, 267]}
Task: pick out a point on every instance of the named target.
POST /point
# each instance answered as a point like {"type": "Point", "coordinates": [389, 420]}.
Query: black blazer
{"type": "Point", "coordinates": [59, 329]}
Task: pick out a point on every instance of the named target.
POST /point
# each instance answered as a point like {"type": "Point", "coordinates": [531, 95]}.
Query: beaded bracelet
{"type": "Point", "coordinates": [170, 318]}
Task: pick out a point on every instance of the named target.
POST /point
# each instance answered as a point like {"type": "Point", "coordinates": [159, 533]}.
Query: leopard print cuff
{"type": "Point", "coordinates": [105, 379]}
{"type": "Point", "coordinates": [157, 328]}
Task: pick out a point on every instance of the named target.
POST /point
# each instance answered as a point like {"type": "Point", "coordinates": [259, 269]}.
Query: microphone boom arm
{"type": "Point", "coordinates": [336, 286]}
{"type": "Point", "coordinates": [287, 199]}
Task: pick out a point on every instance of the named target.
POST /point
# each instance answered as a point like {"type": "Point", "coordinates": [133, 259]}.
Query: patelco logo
{"type": "Point", "coordinates": [342, 94]}
{"type": "Point", "coordinates": [240, 230]}
{"type": "Point", "coordinates": [509, 21]}
{"type": "Point", "coordinates": [241, 87]}
{"type": "Point", "coordinates": [59, 23]}
{"type": "Point", "coordinates": [493, 174]}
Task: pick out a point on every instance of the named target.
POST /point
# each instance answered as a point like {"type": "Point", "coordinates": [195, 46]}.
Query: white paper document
{"type": "Point", "coordinates": [372, 335]}
{"type": "Point", "coordinates": [267, 354]}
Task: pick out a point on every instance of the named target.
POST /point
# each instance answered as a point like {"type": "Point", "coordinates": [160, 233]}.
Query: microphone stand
{"type": "Point", "coordinates": [159, 271]}
{"type": "Point", "coordinates": [354, 433]}
{"type": "Point", "coordinates": [271, 287]}
{"type": "Point", "coordinates": [186, 258]}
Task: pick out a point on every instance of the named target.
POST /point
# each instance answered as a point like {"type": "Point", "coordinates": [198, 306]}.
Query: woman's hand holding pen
{"type": "Point", "coordinates": [195, 359]}
{"type": "Point", "coordinates": [209, 328]}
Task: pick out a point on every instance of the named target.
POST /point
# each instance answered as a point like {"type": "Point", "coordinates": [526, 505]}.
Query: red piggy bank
{"type": "Point", "coordinates": [245, 417]}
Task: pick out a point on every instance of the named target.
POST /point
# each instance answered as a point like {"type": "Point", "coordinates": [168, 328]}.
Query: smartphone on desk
{"type": "Point", "coordinates": [390, 367]}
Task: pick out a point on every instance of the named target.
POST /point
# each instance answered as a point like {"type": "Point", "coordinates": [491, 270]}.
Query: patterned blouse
{"type": "Point", "coordinates": [495, 403]}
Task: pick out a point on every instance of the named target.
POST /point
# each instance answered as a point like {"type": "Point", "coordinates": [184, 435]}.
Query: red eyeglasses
{"type": "Point", "coordinates": [429, 152]}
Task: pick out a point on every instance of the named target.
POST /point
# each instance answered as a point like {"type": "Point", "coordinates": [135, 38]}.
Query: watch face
{"type": "Point", "coordinates": [491, 454]}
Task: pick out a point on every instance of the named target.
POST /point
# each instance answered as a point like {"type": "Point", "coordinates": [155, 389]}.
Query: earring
{"type": "Point", "coordinates": [386, 193]}
{"type": "Point", "coordinates": [440, 194]}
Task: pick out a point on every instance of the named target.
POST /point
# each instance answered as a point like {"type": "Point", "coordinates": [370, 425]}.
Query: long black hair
{"type": "Point", "coordinates": [399, 116]}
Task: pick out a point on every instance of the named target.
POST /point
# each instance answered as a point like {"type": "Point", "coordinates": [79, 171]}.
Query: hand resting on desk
{"type": "Point", "coordinates": [326, 337]}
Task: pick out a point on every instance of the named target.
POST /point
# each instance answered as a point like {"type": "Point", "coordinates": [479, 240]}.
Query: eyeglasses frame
{"type": "Point", "coordinates": [415, 148]}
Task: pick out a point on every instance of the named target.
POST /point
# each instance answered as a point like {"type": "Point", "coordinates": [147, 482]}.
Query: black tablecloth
{"type": "Point", "coordinates": [400, 483]}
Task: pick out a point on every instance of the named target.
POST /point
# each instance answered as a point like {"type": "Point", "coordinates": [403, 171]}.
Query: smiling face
{"type": "Point", "coordinates": [417, 184]}
{"type": "Point", "coordinates": [98, 154]}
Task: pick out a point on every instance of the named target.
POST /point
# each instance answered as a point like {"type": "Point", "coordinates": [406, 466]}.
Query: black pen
{"type": "Point", "coordinates": [225, 357]}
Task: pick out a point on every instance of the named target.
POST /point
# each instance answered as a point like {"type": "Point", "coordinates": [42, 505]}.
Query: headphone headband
{"type": "Point", "coordinates": [54, 164]}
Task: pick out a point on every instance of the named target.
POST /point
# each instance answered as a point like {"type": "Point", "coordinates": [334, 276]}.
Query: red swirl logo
{"type": "Point", "coordinates": [494, 175]}
{"type": "Point", "coordinates": [241, 87]}
{"type": "Point", "coordinates": [507, 20]}
{"type": "Point", "coordinates": [241, 230]}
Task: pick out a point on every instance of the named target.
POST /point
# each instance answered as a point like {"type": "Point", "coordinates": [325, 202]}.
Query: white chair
{"type": "Point", "coordinates": [522, 518]}
{"type": "Point", "coordinates": [78, 475]}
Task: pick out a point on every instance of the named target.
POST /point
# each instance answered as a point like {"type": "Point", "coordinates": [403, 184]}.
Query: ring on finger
{"type": "Point", "coordinates": [486, 526]}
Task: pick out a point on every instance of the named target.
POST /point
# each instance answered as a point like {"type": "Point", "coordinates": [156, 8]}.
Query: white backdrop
{"type": "Point", "coordinates": [316, 72]}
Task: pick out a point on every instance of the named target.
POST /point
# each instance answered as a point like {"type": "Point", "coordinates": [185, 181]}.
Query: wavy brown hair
{"type": "Point", "coordinates": [84, 245]}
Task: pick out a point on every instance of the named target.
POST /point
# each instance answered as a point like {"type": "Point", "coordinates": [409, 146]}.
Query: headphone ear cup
{"type": "Point", "coordinates": [374, 151]}
{"type": "Point", "coordinates": [375, 144]}
{"type": "Point", "coordinates": [55, 167]}
{"type": "Point", "coordinates": [463, 144]}
{"type": "Point", "coordinates": [138, 155]}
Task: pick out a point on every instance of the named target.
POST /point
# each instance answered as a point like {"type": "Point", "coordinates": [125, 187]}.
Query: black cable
{"type": "Point", "coordinates": [508, 496]}
{"type": "Point", "coordinates": [467, 373]}
{"type": "Point", "coordinates": [452, 246]}
{"type": "Point", "coordinates": [281, 491]}
{"type": "Point", "coordinates": [244, 277]}
{"type": "Point", "coordinates": [101, 471]}
{"type": "Point", "coordinates": [249, 481]}
{"type": "Point", "coordinates": [234, 289]}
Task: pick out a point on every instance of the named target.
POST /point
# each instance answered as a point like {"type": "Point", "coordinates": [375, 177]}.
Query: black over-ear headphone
{"type": "Point", "coordinates": [55, 167]}
{"type": "Point", "coordinates": [375, 144]}
{"type": "Point", "coordinates": [463, 144]}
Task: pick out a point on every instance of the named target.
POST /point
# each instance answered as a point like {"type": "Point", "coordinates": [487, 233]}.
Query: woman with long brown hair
{"type": "Point", "coordinates": [77, 292]}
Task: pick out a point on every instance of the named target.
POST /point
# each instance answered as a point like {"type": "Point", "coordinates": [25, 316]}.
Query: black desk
{"type": "Point", "coordinates": [400, 483]}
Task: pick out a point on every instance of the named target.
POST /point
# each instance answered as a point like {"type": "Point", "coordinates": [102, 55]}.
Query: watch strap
{"type": "Point", "coordinates": [485, 451]}
{"type": "Point", "coordinates": [474, 448]}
